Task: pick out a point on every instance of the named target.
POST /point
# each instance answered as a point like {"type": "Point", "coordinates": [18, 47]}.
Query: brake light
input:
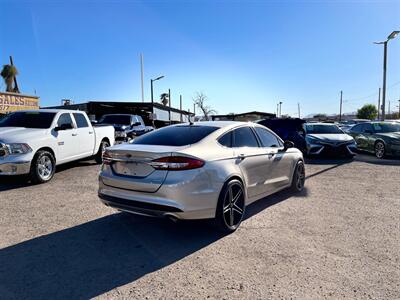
{"type": "Point", "coordinates": [107, 158]}
{"type": "Point", "coordinates": [176, 163]}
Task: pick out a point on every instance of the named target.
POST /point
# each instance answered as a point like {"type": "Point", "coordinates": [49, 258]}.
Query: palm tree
{"type": "Point", "coordinates": [164, 98]}
{"type": "Point", "coordinates": [9, 73]}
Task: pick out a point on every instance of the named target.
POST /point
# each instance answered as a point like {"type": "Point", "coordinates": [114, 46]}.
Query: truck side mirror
{"type": "Point", "coordinates": [63, 127]}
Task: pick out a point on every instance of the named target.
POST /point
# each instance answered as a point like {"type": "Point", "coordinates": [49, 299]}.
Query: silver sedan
{"type": "Point", "coordinates": [199, 171]}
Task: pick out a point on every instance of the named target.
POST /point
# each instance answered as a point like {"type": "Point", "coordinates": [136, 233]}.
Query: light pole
{"type": "Point", "coordinates": [390, 37]}
{"type": "Point", "coordinates": [280, 109]}
{"type": "Point", "coordinates": [151, 86]}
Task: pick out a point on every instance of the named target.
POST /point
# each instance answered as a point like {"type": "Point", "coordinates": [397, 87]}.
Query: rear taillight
{"type": "Point", "coordinates": [176, 163]}
{"type": "Point", "coordinates": [106, 158]}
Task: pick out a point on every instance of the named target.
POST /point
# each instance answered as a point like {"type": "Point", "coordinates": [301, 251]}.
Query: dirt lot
{"type": "Point", "coordinates": [338, 239]}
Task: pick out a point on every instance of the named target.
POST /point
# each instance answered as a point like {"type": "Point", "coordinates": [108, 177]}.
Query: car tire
{"type": "Point", "coordinates": [299, 177]}
{"type": "Point", "coordinates": [43, 167]}
{"type": "Point", "coordinates": [379, 149]}
{"type": "Point", "coordinates": [231, 206]}
{"type": "Point", "coordinates": [99, 156]}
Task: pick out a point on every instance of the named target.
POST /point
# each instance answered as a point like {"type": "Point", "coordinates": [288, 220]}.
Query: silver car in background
{"type": "Point", "coordinates": [199, 171]}
{"type": "Point", "coordinates": [329, 140]}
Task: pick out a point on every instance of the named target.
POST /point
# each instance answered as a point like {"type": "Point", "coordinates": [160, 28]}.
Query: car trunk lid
{"type": "Point", "coordinates": [131, 168]}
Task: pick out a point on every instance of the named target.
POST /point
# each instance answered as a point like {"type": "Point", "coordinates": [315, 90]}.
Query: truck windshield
{"type": "Point", "coordinates": [315, 129]}
{"type": "Point", "coordinates": [32, 119]}
{"type": "Point", "coordinates": [115, 119]}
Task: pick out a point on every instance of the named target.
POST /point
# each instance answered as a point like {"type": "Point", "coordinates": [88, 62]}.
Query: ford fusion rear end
{"type": "Point", "coordinates": [158, 180]}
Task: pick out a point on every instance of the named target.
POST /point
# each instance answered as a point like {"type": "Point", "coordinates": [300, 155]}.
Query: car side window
{"type": "Point", "coordinates": [244, 137]}
{"type": "Point", "coordinates": [65, 119]}
{"type": "Point", "coordinates": [357, 128]}
{"type": "Point", "coordinates": [267, 138]}
{"type": "Point", "coordinates": [80, 120]}
{"type": "Point", "coordinates": [226, 140]}
{"type": "Point", "coordinates": [367, 127]}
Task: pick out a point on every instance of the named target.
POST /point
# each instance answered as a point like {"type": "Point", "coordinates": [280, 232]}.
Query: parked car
{"type": "Point", "coordinates": [287, 129]}
{"type": "Point", "coordinates": [34, 142]}
{"type": "Point", "coordinates": [126, 126]}
{"type": "Point", "coordinates": [380, 138]}
{"type": "Point", "coordinates": [329, 140]}
{"type": "Point", "coordinates": [346, 125]}
{"type": "Point", "coordinates": [199, 171]}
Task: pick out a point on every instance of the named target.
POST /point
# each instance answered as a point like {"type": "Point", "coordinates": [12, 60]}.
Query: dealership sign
{"type": "Point", "coordinates": [10, 102]}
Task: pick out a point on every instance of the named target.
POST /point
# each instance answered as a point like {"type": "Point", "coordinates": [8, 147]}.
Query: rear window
{"type": "Point", "coordinates": [32, 119]}
{"type": "Point", "coordinates": [175, 136]}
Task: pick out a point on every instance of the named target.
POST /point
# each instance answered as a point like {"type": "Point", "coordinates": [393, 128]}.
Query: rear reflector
{"type": "Point", "coordinates": [176, 163]}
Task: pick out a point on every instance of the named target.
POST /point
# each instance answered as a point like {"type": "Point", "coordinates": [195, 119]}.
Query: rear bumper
{"type": "Point", "coordinates": [14, 168]}
{"type": "Point", "coordinates": [189, 199]}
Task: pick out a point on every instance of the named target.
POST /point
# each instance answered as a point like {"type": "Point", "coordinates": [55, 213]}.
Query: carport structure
{"type": "Point", "coordinates": [160, 114]}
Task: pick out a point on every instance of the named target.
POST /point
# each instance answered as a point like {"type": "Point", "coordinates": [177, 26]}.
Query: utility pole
{"type": "Point", "coordinates": [389, 108]}
{"type": "Point", "coordinates": [384, 79]}
{"type": "Point", "coordinates": [298, 109]}
{"type": "Point", "coordinates": [151, 91]}
{"type": "Point", "coordinates": [379, 103]}
{"type": "Point", "coordinates": [16, 89]}
{"type": "Point", "coordinates": [341, 104]}
{"type": "Point", "coordinates": [180, 106]}
{"type": "Point", "coordinates": [277, 110]}
{"type": "Point", "coordinates": [399, 108]}
{"type": "Point", "coordinates": [169, 101]}
{"type": "Point", "coordinates": [142, 75]}
{"type": "Point", "coordinates": [194, 109]}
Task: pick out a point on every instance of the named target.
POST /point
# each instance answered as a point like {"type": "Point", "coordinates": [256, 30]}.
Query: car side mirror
{"type": "Point", "coordinates": [93, 122]}
{"type": "Point", "coordinates": [63, 127]}
{"type": "Point", "coordinates": [287, 145]}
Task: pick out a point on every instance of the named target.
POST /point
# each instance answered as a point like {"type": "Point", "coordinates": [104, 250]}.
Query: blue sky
{"type": "Point", "coordinates": [244, 55]}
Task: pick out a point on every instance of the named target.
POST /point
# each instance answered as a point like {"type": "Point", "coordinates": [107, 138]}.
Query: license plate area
{"type": "Point", "coordinates": [132, 168]}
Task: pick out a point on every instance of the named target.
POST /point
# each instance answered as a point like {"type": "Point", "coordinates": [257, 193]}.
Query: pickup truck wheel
{"type": "Point", "coordinates": [99, 156]}
{"type": "Point", "coordinates": [43, 167]}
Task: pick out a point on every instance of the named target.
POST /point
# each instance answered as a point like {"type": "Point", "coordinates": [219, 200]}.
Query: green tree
{"type": "Point", "coordinates": [164, 98]}
{"type": "Point", "coordinates": [9, 73]}
{"type": "Point", "coordinates": [368, 111]}
{"type": "Point", "coordinates": [320, 116]}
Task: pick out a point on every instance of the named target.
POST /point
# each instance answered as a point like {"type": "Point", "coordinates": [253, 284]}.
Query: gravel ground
{"type": "Point", "coordinates": [339, 239]}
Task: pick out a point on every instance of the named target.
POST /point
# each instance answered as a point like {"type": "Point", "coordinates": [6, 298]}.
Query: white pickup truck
{"type": "Point", "coordinates": [33, 142]}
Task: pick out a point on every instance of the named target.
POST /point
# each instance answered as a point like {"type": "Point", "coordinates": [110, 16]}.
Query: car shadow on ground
{"type": "Point", "coordinates": [14, 182]}
{"type": "Point", "coordinates": [95, 257]}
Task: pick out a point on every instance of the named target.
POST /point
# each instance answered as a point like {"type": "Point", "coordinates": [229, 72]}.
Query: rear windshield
{"type": "Point", "coordinates": [175, 136]}
{"type": "Point", "coordinates": [32, 119]}
{"type": "Point", "coordinates": [115, 119]}
{"type": "Point", "coordinates": [315, 129]}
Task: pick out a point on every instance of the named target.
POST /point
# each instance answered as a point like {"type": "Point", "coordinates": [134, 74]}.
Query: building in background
{"type": "Point", "coordinates": [244, 117]}
{"type": "Point", "coordinates": [10, 102]}
{"type": "Point", "coordinates": [160, 114]}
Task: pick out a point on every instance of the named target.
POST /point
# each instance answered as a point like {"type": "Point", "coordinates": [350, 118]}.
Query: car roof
{"type": "Point", "coordinates": [219, 124]}
{"type": "Point", "coordinates": [50, 110]}
{"type": "Point", "coordinates": [323, 124]}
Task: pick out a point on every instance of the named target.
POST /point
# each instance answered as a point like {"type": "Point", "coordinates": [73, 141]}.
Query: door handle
{"type": "Point", "coordinates": [74, 134]}
{"type": "Point", "coordinates": [90, 132]}
{"type": "Point", "coordinates": [241, 156]}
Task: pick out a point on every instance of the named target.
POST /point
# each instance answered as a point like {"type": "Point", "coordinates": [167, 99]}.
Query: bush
{"type": "Point", "coordinates": [368, 111]}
